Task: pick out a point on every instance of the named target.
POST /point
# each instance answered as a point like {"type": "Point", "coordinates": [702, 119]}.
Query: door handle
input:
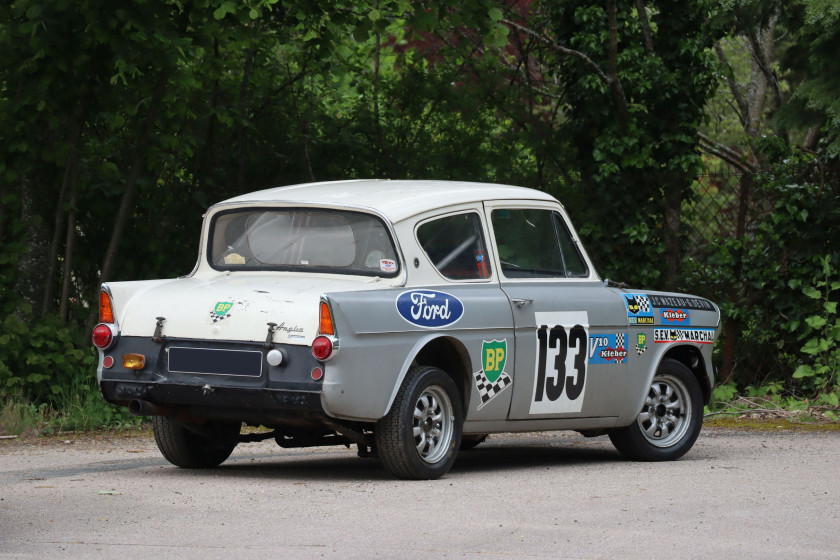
{"type": "Point", "coordinates": [519, 302]}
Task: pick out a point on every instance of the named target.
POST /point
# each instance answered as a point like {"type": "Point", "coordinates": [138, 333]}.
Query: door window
{"type": "Point", "coordinates": [535, 243]}
{"type": "Point", "coordinates": [456, 247]}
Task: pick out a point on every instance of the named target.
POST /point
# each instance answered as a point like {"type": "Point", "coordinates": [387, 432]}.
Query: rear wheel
{"type": "Point", "coordinates": [670, 419]}
{"type": "Point", "coordinates": [419, 437]}
{"type": "Point", "coordinates": [204, 446]}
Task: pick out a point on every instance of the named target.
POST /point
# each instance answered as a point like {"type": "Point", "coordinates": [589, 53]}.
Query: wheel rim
{"type": "Point", "coordinates": [666, 414]}
{"type": "Point", "coordinates": [433, 424]}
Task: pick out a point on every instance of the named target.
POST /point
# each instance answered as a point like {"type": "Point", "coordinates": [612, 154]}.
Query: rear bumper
{"type": "Point", "coordinates": [247, 404]}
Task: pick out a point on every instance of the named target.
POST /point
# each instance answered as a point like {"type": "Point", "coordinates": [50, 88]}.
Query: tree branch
{"type": "Point", "coordinates": [743, 108]}
{"type": "Point", "coordinates": [725, 153]}
{"type": "Point", "coordinates": [616, 91]}
{"type": "Point", "coordinates": [646, 32]}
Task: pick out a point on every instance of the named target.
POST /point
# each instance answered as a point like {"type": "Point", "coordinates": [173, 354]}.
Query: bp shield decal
{"type": "Point", "coordinates": [221, 311]}
{"type": "Point", "coordinates": [492, 379]}
{"type": "Point", "coordinates": [493, 356]}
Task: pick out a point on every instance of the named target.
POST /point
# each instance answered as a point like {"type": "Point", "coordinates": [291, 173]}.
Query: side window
{"type": "Point", "coordinates": [455, 245]}
{"type": "Point", "coordinates": [535, 244]}
{"type": "Point", "coordinates": [572, 259]}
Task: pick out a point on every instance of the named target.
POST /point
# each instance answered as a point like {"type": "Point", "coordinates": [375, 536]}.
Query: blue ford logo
{"type": "Point", "coordinates": [429, 309]}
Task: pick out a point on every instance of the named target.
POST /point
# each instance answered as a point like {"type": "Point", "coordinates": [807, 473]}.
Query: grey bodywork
{"type": "Point", "coordinates": [378, 346]}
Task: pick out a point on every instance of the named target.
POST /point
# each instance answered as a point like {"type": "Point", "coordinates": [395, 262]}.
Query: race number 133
{"type": "Point", "coordinates": [560, 378]}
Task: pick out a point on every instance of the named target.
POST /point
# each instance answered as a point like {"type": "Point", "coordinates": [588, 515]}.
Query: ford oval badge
{"type": "Point", "coordinates": [429, 309]}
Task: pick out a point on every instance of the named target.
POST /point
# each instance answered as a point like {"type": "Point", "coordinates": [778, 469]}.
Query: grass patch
{"type": "Point", "coordinates": [80, 411]}
{"type": "Point", "coordinates": [755, 423]}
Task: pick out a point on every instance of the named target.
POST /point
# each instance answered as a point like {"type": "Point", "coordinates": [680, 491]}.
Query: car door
{"type": "Point", "coordinates": [570, 331]}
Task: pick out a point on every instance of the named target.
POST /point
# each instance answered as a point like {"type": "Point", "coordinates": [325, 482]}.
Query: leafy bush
{"type": "Point", "coordinates": [775, 284]}
{"type": "Point", "coordinates": [42, 361]}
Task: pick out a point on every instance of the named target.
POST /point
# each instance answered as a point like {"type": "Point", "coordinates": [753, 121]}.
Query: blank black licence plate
{"type": "Point", "coordinates": [212, 361]}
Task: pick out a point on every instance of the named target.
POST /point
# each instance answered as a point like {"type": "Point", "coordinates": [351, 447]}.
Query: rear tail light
{"type": "Point", "coordinates": [324, 347]}
{"type": "Point", "coordinates": [103, 336]}
{"type": "Point", "coordinates": [106, 310]}
{"type": "Point", "coordinates": [325, 344]}
{"type": "Point", "coordinates": [325, 324]}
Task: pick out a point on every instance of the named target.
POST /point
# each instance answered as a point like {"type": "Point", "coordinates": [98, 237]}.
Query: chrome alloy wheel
{"type": "Point", "coordinates": [666, 414]}
{"type": "Point", "coordinates": [433, 424]}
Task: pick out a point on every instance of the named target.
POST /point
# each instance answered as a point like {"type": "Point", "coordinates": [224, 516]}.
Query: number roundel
{"type": "Point", "coordinates": [560, 380]}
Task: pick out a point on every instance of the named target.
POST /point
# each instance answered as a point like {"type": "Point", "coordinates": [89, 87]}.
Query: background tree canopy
{"type": "Point", "coordinates": [695, 143]}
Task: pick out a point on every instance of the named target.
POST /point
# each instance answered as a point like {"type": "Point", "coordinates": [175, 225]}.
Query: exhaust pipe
{"type": "Point", "coordinates": [146, 408]}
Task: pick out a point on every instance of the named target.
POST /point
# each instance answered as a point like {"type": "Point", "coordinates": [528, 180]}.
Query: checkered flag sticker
{"type": "Point", "coordinates": [619, 343]}
{"type": "Point", "coordinates": [644, 304]}
{"type": "Point", "coordinates": [217, 318]}
{"type": "Point", "coordinates": [487, 389]}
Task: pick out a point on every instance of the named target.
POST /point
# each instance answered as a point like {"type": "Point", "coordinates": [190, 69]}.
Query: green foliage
{"type": "Point", "coordinates": [631, 171]}
{"type": "Point", "coordinates": [777, 281]}
{"type": "Point", "coordinates": [166, 106]}
{"type": "Point", "coordinates": [820, 374]}
{"type": "Point", "coordinates": [42, 362]}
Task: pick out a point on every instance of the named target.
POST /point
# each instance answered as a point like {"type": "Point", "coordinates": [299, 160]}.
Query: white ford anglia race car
{"type": "Point", "coordinates": [411, 318]}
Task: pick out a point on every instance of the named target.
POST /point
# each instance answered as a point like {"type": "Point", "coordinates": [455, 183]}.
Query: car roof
{"type": "Point", "coordinates": [396, 199]}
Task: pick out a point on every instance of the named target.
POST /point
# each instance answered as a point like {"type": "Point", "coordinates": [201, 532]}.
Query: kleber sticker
{"type": "Point", "coordinates": [607, 349]}
{"type": "Point", "coordinates": [700, 336]}
{"type": "Point", "coordinates": [429, 309]}
{"type": "Point", "coordinates": [492, 379]}
{"type": "Point", "coordinates": [639, 311]}
{"type": "Point", "coordinates": [561, 362]}
{"type": "Point", "coordinates": [221, 311]}
{"type": "Point", "coordinates": [675, 316]}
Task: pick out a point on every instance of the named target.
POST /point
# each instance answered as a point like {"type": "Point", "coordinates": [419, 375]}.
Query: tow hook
{"type": "Point", "coordinates": [269, 339]}
{"type": "Point", "coordinates": [158, 336]}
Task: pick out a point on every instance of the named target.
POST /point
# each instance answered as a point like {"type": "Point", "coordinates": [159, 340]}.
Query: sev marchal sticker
{"type": "Point", "coordinates": [492, 379]}
{"type": "Point", "coordinates": [700, 336]}
{"type": "Point", "coordinates": [639, 311]}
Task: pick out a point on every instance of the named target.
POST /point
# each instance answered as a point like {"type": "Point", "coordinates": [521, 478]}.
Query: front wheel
{"type": "Point", "coordinates": [419, 437]}
{"type": "Point", "coordinates": [202, 447]}
{"type": "Point", "coordinates": [670, 419]}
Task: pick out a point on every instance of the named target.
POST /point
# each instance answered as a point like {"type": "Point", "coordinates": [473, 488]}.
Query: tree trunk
{"type": "Point", "coordinates": [671, 231]}
{"type": "Point", "coordinates": [69, 182]}
{"type": "Point", "coordinates": [32, 264]}
{"type": "Point", "coordinates": [732, 327]}
{"type": "Point", "coordinates": [132, 182]}
{"type": "Point", "coordinates": [616, 91]}
{"type": "Point", "coordinates": [241, 133]}
{"type": "Point", "coordinates": [69, 246]}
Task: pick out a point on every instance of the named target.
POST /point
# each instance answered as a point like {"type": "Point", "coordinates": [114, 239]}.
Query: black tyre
{"type": "Point", "coordinates": [419, 438]}
{"type": "Point", "coordinates": [205, 447]}
{"type": "Point", "coordinates": [670, 419]}
{"type": "Point", "coordinates": [472, 440]}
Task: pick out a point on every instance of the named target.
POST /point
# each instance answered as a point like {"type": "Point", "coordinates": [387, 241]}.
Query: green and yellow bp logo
{"type": "Point", "coordinates": [222, 307]}
{"type": "Point", "coordinates": [494, 355]}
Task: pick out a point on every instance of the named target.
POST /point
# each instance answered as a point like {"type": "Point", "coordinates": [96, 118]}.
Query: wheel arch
{"type": "Point", "coordinates": [450, 355]}
{"type": "Point", "coordinates": [692, 358]}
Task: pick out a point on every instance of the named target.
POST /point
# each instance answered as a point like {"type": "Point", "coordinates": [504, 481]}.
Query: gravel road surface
{"type": "Point", "coordinates": [737, 494]}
